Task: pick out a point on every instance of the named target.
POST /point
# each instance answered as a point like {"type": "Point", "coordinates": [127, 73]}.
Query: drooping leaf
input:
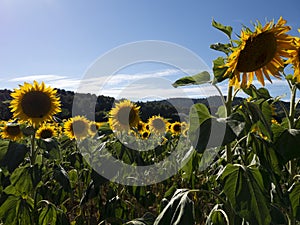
{"type": "Point", "coordinates": [221, 47]}
{"type": "Point", "coordinates": [287, 144]}
{"type": "Point", "coordinates": [295, 199]}
{"type": "Point", "coordinates": [62, 177]}
{"type": "Point", "coordinates": [200, 78]}
{"type": "Point", "coordinates": [212, 132]}
{"type": "Point", "coordinates": [246, 192]}
{"type": "Point", "coordinates": [225, 29]}
{"type": "Point", "coordinates": [48, 215]}
{"type": "Point", "coordinates": [12, 154]}
{"type": "Point", "coordinates": [179, 211]}
{"type": "Point", "coordinates": [17, 210]}
{"type": "Point", "coordinates": [146, 219]}
{"type": "Point", "coordinates": [26, 178]}
{"type": "Point", "coordinates": [219, 70]}
{"type": "Point", "coordinates": [217, 216]}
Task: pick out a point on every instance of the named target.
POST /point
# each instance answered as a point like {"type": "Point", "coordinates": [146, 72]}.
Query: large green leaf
{"type": "Point", "coordinates": [287, 144]}
{"type": "Point", "coordinates": [206, 132]}
{"type": "Point", "coordinates": [200, 78]}
{"type": "Point", "coordinates": [62, 177]}
{"type": "Point", "coordinates": [295, 199]}
{"type": "Point", "coordinates": [179, 211]}
{"type": "Point", "coordinates": [246, 193]}
{"type": "Point", "coordinates": [26, 178]}
{"type": "Point", "coordinates": [12, 154]}
{"type": "Point", "coordinates": [17, 210]}
{"type": "Point", "coordinates": [225, 29]}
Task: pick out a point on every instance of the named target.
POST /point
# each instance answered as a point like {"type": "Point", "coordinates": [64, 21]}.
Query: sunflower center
{"type": "Point", "coordinates": [126, 116]}
{"type": "Point", "coordinates": [47, 133]}
{"type": "Point", "coordinates": [79, 127]}
{"type": "Point", "coordinates": [258, 52]}
{"type": "Point", "coordinates": [177, 127]}
{"type": "Point", "coordinates": [158, 124]}
{"type": "Point", "coordinates": [145, 134]}
{"type": "Point", "coordinates": [13, 130]}
{"type": "Point", "coordinates": [140, 127]}
{"type": "Point", "coordinates": [36, 104]}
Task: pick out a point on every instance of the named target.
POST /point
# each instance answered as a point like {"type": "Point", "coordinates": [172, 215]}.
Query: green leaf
{"type": "Point", "coordinates": [48, 214]}
{"type": "Point", "coordinates": [62, 177]}
{"type": "Point", "coordinates": [12, 154]}
{"type": "Point", "coordinates": [278, 217]}
{"type": "Point", "coordinates": [217, 216]}
{"type": "Point", "coordinates": [225, 29]}
{"type": "Point", "coordinates": [219, 70]}
{"type": "Point", "coordinates": [26, 178]}
{"type": "Point", "coordinates": [287, 144]}
{"type": "Point", "coordinates": [261, 93]}
{"type": "Point", "coordinates": [147, 219]}
{"type": "Point", "coordinates": [179, 211]}
{"type": "Point", "coordinates": [245, 190]}
{"type": "Point", "coordinates": [17, 210]}
{"type": "Point", "coordinates": [221, 47]}
{"type": "Point", "coordinates": [3, 148]}
{"type": "Point", "coordinates": [295, 199]}
{"type": "Point", "coordinates": [200, 78]}
{"type": "Point", "coordinates": [212, 132]}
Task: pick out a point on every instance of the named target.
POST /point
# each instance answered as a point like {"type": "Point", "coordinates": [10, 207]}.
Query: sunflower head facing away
{"type": "Point", "coordinates": [34, 103]}
{"type": "Point", "coordinates": [295, 59]}
{"type": "Point", "coordinates": [77, 127]}
{"type": "Point", "coordinates": [11, 131]}
{"type": "Point", "coordinates": [259, 54]}
{"type": "Point", "coordinates": [46, 131]}
{"type": "Point", "coordinates": [124, 116]}
{"type": "Point", "coordinates": [157, 124]}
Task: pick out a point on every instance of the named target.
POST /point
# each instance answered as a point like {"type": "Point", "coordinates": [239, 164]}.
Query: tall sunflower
{"type": "Point", "coordinates": [46, 131]}
{"type": "Point", "coordinates": [34, 103]}
{"type": "Point", "coordinates": [157, 124]}
{"type": "Point", "coordinates": [77, 127]}
{"type": "Point", "coordinates": [124, 116]}
{"type": "Point", "coordinates": [295, 59]}
{"type": "Point", "coordinates": [11, 131]}
{"type": "Point", "coordinates": [259, 54]}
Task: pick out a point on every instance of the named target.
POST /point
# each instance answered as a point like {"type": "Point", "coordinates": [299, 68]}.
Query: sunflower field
{"type": "Point", "coordinates": [236, 165]}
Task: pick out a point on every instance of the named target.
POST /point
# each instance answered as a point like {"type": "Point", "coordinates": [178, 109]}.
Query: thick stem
{"type": "Point", "coordinates": [228, 111]}
{"type": "Point", "coordinates": [292, 107]}
{"type": "Point", "coordinates": [32, 150]}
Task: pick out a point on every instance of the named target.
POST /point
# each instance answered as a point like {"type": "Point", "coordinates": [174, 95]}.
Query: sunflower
{"type": "Point", "coordinates": [141, 126]}
{"type": "Point", "coordinates": [77, 127]}
{"type": "Point", "coordinates": [124, 116]}
{"type": "Point", "coordinates": [295, 59]}
{"type": "Point", "coordinates": [145, 134]}
{"type": "Point", "coordinates": [259, 53]}
{"type": "Point", "coordinates": [176, 128]}
{"type": "Point", "coordinates": [157, 124]}
{"type": "Point", "coordinates": [34, 103]}
{"type": "Point", "coordinates": [11, 131]}
{"type": "Point", "coordinates": [46, 131]}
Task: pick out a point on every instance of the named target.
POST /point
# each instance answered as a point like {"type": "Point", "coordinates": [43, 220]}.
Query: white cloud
{"type": "Point", "coordinates": [31, 78]}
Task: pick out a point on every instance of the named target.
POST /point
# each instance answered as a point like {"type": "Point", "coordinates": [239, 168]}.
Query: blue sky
{"type": "Point", "coordinates": [57, 41]}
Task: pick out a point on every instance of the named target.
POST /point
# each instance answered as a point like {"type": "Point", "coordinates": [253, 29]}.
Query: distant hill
{"type": "Point", "coordinates": [168, 108]}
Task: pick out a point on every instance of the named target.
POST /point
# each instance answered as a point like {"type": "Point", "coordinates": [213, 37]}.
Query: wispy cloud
{"type": "Point", "coordinates": [31, 78]}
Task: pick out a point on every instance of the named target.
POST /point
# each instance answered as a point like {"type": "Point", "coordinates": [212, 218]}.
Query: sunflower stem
{"type": "Point", "coordinates": [228, 111]}
{"type": "Point", "coordinates": [32, 150]}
